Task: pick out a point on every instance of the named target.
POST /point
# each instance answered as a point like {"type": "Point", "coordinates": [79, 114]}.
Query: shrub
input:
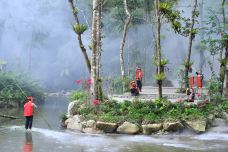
{"type": "Point", "coordinates": [16, 87]}
{"type": "Point", "coordinates": [151, 118]}
{"type": "Point", "coordinates": [108, 118]}
{"type": "Point", "coordinates": [63, 117]}
{"type": "Point", "coordinates": [224, 106]}
{"type": "Point", "coordinates": [119, 84]}
{"type": "Point", "coordinates": [213, 87]}
{"type": "Point", "coordinates": [80, 96]}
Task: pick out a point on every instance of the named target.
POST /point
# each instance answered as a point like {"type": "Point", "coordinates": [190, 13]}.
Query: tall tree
{"type": "Point", "coordinates": [127, 22]}
{"type": "Point", "coordinates": [96, 48]}
{"type": "Point", "coordinates": [223, 60]}
{"type": "Point", "coordinates": [190, 41]}
{"type": "Point", "coordinates": [225, 45]}
{"type": "Point", "coordinates": [202, 47]}
{"type": "Point", "coordinates": [79, 30]}
{"type": "Point", "coordinates": [158, 45]}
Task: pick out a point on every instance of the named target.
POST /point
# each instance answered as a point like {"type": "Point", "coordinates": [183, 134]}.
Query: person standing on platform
{"type": "Point", "coordinates": [138, 77]}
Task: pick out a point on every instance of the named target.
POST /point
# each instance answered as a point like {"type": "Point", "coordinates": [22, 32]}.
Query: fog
{"type": "Point", "coordinates": [36, 38]}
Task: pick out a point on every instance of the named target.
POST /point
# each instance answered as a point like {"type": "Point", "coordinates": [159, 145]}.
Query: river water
{"type": "Point", "coordinates": [49, 137]}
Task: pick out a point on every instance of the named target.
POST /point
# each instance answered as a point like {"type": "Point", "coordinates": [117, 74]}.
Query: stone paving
{"type": "Point", "coordinates": [150, 93]}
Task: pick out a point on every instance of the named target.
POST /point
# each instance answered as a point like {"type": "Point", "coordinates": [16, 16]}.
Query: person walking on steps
{"type": "Point", "coordinates": [138, 77]}
{"type": "Point", "coordinates": [28, 112]}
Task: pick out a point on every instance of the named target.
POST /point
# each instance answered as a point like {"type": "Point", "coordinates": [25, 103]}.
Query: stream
{"type": "Point", "coordinates": [49, 137]}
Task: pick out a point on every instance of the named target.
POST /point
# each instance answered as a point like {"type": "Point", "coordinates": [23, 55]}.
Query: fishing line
{"type": "Point", "coordinates": [42, 115]}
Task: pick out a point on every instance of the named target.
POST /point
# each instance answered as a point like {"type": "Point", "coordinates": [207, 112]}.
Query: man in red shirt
{"type": "Point", "coordinates": [28, 112]}
{"type": "Point", "coordinates": [138, 77]}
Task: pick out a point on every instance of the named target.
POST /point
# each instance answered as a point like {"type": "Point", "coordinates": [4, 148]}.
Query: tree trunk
{"type": "Point", "coordinates": [222, 65]}
{"type": "Point", "coordinates": [95, 49]}
{"type": "Point", "coordinates": [202, 56]}
{"type": "Point", "coordinates": [158, 44]}
{"type": "Point", "coordinates": [226, 75]}
{"type": "Point", "coordinates": [127, 22]}
{"type": "Point", "coordinates": [83, 49]}
{"type": "Point", "coordinates": [190, 40]}
{"type": "Point", "coordinates": [100, 92]}
{"type": "Point", "coordinates": [225, 91]}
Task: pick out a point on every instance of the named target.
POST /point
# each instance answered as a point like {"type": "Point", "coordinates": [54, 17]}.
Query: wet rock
{"type": "Point", "coordinates": [68, 120]}
{"type": "Point", "coordinates": [106, 127]}
{"type": "Point", "coordinates": [128, 128]}
{"type": "Point", "coordinates": [225, 115]}
{"type": "Point", "coordinates": [72, 108]}
{"type": "Point", "coordinates": [91, 124]}
{"type": "Point", "coordinates": [172, 126]}
{"type": "Point", "coordinates": [198, 126]}
{"type": "Point", "coordinates": [151, 128]}
{"type": "Point", "coordinates": [92, 131]}
{"type": "Point", "coordinates": [74, 122]}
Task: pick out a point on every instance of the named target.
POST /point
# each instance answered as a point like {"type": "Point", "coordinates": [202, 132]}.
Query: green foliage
{"type": "Point", "coordinates": [179, 24]}
{"type": "Point", "coordinates": [160, 110]}
{"type": "Point", "coordinates": [80, 28]}
{"type": "Point", "coordinates": [108, 118]}
{"type": "Point", "coordinates": [163, 62]}
{"type": "Point", "coordinates": [115, 14]}
{"type": "Point", "coordinates": [188, 64]}
{"type": "Point", "coordinates": [16, 87]}
{"type": "Point", "coordinates": [160, 76]}
{"type": "Point", "coordinates": [213, 86]}
{"type": "Point", "coordinates": [81, 96]}
{"type": "Point", "coordinates": [224, 106]}
{"type": "Point", "coordinates": [151, 118]}
{"type": "Point", "coordinates": [118, 84]}
{"type": "Point", "coordinates": [63, 117]}
{"type": "Point", "coordinates": [193, 113]}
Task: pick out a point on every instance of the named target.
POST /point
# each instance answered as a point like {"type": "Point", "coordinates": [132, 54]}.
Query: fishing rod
{"type": "Point", "coordinates": [42, 116]}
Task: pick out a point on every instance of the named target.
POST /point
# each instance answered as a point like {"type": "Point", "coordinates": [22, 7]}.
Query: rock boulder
{"type": "Point", "coordinates": [74, 122]}
{"type": "Point", "coordinates": [172, 126]}
{"type": "Point", "coordinates": [71, 108]}
{"type": "Point", "coordinates": [128, 128]}
{"type": "Point", "coordinates": [198, 126]}
{"type": "Point", "coordinates": [151, 128]}
{"type": "Point", "coordinates": [106, 127]}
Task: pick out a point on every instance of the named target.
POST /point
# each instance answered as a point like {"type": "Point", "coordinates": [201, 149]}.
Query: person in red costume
{"type": "Point", "coordinates": [28, 112]}
{"type": "Point", "coordinates": [199, 78]}
{"type": "Point", "coordinates": [138, 77]}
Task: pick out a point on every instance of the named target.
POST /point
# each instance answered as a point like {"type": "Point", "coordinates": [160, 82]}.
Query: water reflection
{"type": "Point", "coordinates": [28, 145]}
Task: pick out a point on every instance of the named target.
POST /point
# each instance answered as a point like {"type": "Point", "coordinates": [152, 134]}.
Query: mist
{"type": "Point", "coordinates": [41, 30]}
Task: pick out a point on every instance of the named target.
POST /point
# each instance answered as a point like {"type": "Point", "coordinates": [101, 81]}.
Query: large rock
{"type": "Point", "coordinates": [106, 127]}
{"type": "Point", "coordinates": [151, 128]}
{"type": "Point", "coordinates": [74, 122]}
{"type": "Point", "coordinates": [128, 128]}
{"type": "Point", "coordinates": [198, 126]}
{"type": "Point", "coordinates": [172, 126]}
{"type": "Point", "coordinates": [90, 127]}
{"type": "Point", "coordinates": [91, 124]}
{"type": "Point", "coordinates": [72, 108]}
